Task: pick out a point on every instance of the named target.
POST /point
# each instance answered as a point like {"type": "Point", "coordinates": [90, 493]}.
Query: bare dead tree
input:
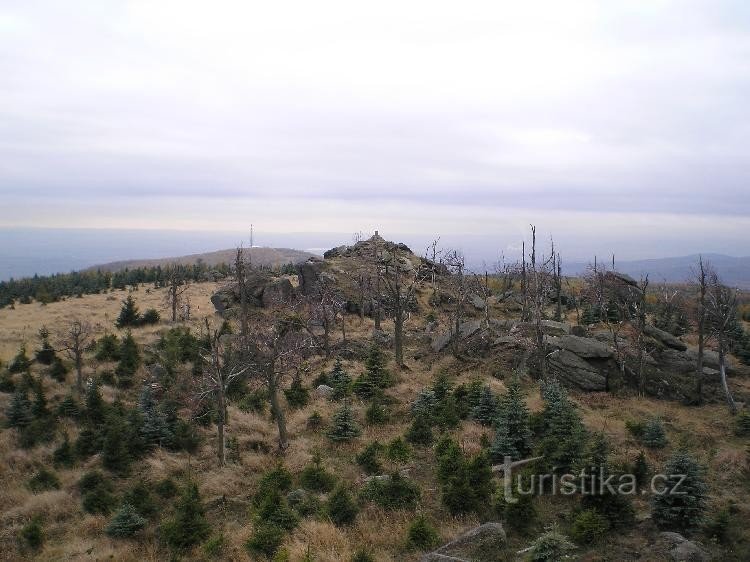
{"type": "Point", "coordinates": [377, 257]}
{"type": "Point", "coordinates": [557, 279]}
{"type": "Point", "coordinates": [74, 342]}
{"type": "Point", "coordinates": [637, 315]}
{"type": "Point", "coordinates": [721, 313]}
{"type": "Point", "coordinates": [326, 304]}
{"type": "Point", "coordinates": [176, 287]}
{"type": "Point", "coordinates": [458, 284]}
{"type": "Point", "coordinates": [278, 342]}
{"type": "Point", "coordinates": [240, 272]}
{"type": "Point", "coordinates": [222, 366]}
{"type": "Point", "coordinates": [401, 279]}
{"type": "Point", "coordinates": [539, 279]}
{"type": "Point", "coordinates": [482, 287]}
{"type": "Point", "coordinates": [700, 280]}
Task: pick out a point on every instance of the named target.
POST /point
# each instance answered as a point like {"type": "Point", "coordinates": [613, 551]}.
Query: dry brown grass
{"type": "Point", "coordinates": [73, 535]}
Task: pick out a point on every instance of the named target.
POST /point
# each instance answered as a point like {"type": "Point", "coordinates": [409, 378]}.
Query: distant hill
{"type": "Point", "coordinates": [271, 257]}
{"type": "Point", "coordinates": [733, 271]}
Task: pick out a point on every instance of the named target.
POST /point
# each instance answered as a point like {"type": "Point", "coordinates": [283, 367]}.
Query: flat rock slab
{"type": "Point", "coordinates": [664, 337]}
{"type": "Point", "coordinates": [583, 347]}
{"type": "Point", "coordinates": [575, 371]}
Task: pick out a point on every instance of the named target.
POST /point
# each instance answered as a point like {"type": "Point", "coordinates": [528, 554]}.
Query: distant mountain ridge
{"type": "Point", "coordinates": [733, 271]}
{"type": "Point", "coordinates": [267, 257]}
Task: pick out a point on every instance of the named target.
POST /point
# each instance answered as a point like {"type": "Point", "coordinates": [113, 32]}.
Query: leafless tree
{"type": "Point", "coordinates": [401, 279]}
{"type": "Point", "coordinates": [278, 342]}
{"type": "Point", "coordinates": [458, 284]}
{"type": "Point", "coordinates": [700, 280]}
{"type": "Point", "coordinates": [222, 366]}
{"type": "Point", "coordinates": [240, 272]}
{"type": "Point", "coordinates": [557, 282]}
{"type": "Point", "coordinates": [482, 287]}
{"type": "Point", "coordinates": [176, 287]}
{"type": "Point", "coordinates": [539, 274]}
{"type": "Point", "coordinates": [376, 259]}
{"type": "Point", "coordinates": [636, 312]}
{"type": "Point", "coordinates": [721, 313]}
{"type": "Point", "coordinates": [74, 342]}
{"type": "Point", "coordinates": [326, 304]}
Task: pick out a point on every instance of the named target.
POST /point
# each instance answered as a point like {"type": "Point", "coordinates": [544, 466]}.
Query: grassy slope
{"type": "Point", "coordinates": [72, 534]}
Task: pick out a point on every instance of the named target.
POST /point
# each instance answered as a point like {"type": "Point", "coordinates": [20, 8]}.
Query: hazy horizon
{"type": "Point", "coordinates": [615, 127]}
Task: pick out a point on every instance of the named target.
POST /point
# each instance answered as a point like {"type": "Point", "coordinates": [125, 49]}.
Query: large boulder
{"type": "Point", "coordinates": [583, 347]}
{"type": "Point", "coordinates": [485, 543]}
{"type": "Point", "coordinates": [308, 273]}
{"type": "Point", "coordinates": [679, 549]}
{"type": "Point", "coordinates": [575, 371]}
{"type": "Point", "coordinates": [664, 338]}
{"type": "Point", "coordinates": [465, 331]}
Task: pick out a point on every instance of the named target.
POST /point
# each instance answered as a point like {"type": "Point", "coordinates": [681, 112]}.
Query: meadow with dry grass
{"type": "Point", "coordinates": [227, 492]}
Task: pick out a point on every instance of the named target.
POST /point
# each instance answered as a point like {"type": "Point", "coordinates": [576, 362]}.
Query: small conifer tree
{"type": "Point", "coordinates": [424, 404]}
{"type": "Point", "coordinates": [341, 508]}
{"type": "Point", "coordinates": [19, 412]}
{"type": "Point", "coordinates": [130, 360]}
{"type": "Point", "coordinates": [45, 354]}
{"type": "Point", "coordinates": [681, 503]}
{"type": "Point", "coordinates": [420, 431]}
{"type": "Point", "coordinates": [64, 456]}
{"type": "Point", "coordinates": [486, 409]}
{"type": "Point", "coordinates": [421, 535]}
{"type": "Point", "coordinates": [21, 362]}
{"type": "Point", "coordinates": [129, 315]}
{"type": "Point", "coordinates": [189, 525]}
{"type": "Point", "coordinates": [126, 522]}
{"type": "Point", "coordinates": [340, 381]}
{"type": "Point", "coordinates": [343, 425]}
{"type": "Point", "coordinates": [512, 433]}
{"type": "Point", "coordinates": [654, 436]}
{"type": "Point", "coordinates": [57, 370]}
{"type": "Point", "coordinates": [155, 429]}
{"type": "Point", "coordinates": [563, 432]}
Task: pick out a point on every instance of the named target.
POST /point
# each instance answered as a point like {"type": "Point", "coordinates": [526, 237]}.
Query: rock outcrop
{"type": "Point", "coordinates": [482, 544]}
{"type": "Point", "coordinates": [575, 371]}
{"type": "Point", "coordinates": [665, 338]}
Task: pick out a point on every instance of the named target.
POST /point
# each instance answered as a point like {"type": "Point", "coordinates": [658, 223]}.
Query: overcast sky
{"type": "Point", "coordinates": [615, 126]}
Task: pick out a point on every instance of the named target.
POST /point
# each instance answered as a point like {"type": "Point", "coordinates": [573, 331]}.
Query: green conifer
{"type": "Point", "coordinates": [126, 522]}
{"type": "Point", "coordinates": [343, 425]}
{"type": "Point", "coordinates": [486, 409]}
{"type": "Point", "coordinates": [679, 506]}
{"type": "Point", "coordinates": [512, 433]}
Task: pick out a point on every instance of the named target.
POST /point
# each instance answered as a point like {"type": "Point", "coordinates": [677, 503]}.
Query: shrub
{"type": "Point", "coordinates": [551, 546]}
{"type": "Point", "coordinates": [57, 370]}
{"type": "Point", "coordinates": [392, 492]}
{"type": "Point", "coordinates": [189, 525]}
{"type": "Point", "coordinates": [274, 509]}
{"type": "Point", "coordinates": [139, 496]}
{"type": "Point", "coordinates": [368, 458]}
{"type": "Point", "coordinates": [641, 469]}
{"type": "Point", "coordinates": [465, 483]}
{"type": "Point", "coordinates": [126, 523]}
{"type": "Point", "coordinates": [421, 535]}
{"type": "Point", "coordinates": [32, 534]}
{"type": "Point", "coordinates": [742, 424]}
{"type": "Point", "coordinates": [214, 546]}
{"type": "Point", "coordinates": [130, 360]}
{"type": "Point", "coordinates": [46, 355]}
{"type": "Point", "coordinates": [276, 481]}
{"type": "Point", "coordinates": [315, 421]}
{"type": "Point", "coordinates": [266, 540]}
{"type": "Point", "coordinates": [682, 512]}
{"type": "Point", "coordinates": [19, 411]}
{"type": "Point", "coordinates": [653, 434]}
{"type": "Point", "coordinates": [377, 412]}
{"type": "Point", "coordinates": [43, 480]}
{"type": "Point", "coordinates": [21, 362]}
{"type": "Point", "coordinates": [635, 428]}
{"type": "Point", "coordinates": [297, 396]}
{"type": "Point", "coordinates": [96, 492]}
{"type": "Point", "coordinates": [343, 426]}
{"type": "Point", "coordinates": [151, 316]}
{"type": "Point", "coordinates": [166, 488]}
{"type": "Point", "coordinates": [520, 515]}
{"type": "Point", "coordinates": [107, 348]}
{"type": "Point", "coordinates": [717, 528]}
{"type": "Point", "coordinates": [362, 555]}
{"type": "Point", "coordinates": [303, 502]}
{"type": "Point", "coordinates": [589, 527]}
{"type": "Point", "coordinates": [420, 431]}
{"type": "Point", "coordinates": [316, 478]}
{"type": "Point", "coordinates": [424, 404]}
{"type": "Point", "coordinates": [64, 456]}
{"type": "Point", "coordinates": [340, 508]}
{"type": "Point", "coordinates": [398, 451]}
{"type": "Point", "coordinates": [254, 401]}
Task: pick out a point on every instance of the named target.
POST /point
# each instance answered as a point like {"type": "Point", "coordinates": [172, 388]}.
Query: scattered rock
{"type": "Point", "coordinates": [482, 544]}
{"type": "Point", "coordinates": [478, 302]}
{"type": "Point", "coordinates": [465, 330]}
{"type": "Point", "coordinates": [555, 328]}
{"type": "Point", "coordinates": [324, 390]}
